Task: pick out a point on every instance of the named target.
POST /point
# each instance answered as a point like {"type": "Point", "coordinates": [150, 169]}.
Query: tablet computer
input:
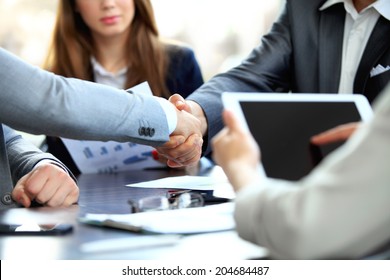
{"type": "Point", "coordinates": [282, 125]}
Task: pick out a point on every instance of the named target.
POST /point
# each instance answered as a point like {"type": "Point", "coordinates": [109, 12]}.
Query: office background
{"type": "Point", "coordinates": [221, 32]}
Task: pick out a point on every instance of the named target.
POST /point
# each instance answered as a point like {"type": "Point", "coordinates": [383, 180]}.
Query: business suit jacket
{"type": "Point", "coordinates": [17, 158]}
{"type": "Point", "coordinates": [302, 54]}
{"type": "Point", "coordinates": [340, 210]}
{"type": "Point", "coordinates": [39, 102]}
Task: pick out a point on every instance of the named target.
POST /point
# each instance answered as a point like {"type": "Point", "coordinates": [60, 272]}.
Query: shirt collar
{"type": "Point", "coordinates": [98, 68]}
{"type": "Point", "coordinates": [382, 6]}
{"type": "Point", "coordinates": [329, 3]}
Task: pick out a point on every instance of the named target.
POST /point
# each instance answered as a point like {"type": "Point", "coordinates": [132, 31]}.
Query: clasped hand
{"type": "Point", "coordinates": [47, 184]}
{"type": "Point", "coordinates": [184, 147]}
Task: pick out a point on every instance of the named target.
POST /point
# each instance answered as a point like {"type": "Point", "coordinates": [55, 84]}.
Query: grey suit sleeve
{"type": "Point", "coordinates": [266, 69]}
{"type": "Point", "coordinates": [39, 102]}
{"type": "Point", "coordinates": [23, 156]}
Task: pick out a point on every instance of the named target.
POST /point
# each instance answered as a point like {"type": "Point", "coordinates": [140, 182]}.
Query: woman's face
{"type": "Point", "coordinates": [107, 18]}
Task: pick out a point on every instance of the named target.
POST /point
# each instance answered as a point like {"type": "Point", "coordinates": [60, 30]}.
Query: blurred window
{"type": "Point", "coordinates": [221, 32]}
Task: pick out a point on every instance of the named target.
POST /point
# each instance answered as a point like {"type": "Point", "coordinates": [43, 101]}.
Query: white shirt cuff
{"type": "Point", "coordinates": [50, 161]}
{"type": "Point", "coordinates": [170, 113]}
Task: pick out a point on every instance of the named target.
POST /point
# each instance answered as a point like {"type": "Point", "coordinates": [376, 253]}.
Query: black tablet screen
{"type": "Point", "coordinates": [283, 131]}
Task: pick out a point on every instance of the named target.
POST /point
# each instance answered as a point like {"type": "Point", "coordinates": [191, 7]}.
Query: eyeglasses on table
{"type": "Point", "coordinates": [171, 201]}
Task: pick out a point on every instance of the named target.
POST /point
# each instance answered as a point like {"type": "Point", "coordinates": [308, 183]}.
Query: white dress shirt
{"type": "Point", "coordinates": [357, 30]}
{"type": "Point", "coordinates": [340, 210]}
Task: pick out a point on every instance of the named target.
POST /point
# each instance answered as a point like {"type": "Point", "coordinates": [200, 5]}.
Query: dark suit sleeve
{"type": "Point", "coordinates": [266, 69]}
{"type": "Point", "coordinates": [23, 155]}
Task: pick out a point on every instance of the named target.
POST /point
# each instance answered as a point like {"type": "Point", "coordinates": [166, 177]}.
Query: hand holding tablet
{"type": "Point", "coordinates": [283, 124]}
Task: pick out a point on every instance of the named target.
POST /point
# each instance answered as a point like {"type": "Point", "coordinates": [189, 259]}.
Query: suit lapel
{"type": "Point", "coordinates": [376, 46]}
{"type": "Point", "coordinates": [331, 33]}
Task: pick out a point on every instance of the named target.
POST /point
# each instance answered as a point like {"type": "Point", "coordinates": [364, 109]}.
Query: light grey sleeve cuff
{"type": "Point", "coordinates": [170, 113]}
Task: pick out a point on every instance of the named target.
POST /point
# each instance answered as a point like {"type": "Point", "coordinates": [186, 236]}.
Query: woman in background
{"type": "Point", "coordinates": [116, 42]}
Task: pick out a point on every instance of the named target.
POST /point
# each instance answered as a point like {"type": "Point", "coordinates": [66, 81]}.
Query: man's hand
{"type": "Point", "coordinates": [192, 108]}
{"type": "Point", "coordinates": [236, 151]}
{"type": "Point", "coordinates": [47, 184]}
{"type": "Point", "coordinates": [337, 134]}
{"type": "Point", "coordinates": [180, 103]}
{"type": "Point", "coordinates": [185, 145]}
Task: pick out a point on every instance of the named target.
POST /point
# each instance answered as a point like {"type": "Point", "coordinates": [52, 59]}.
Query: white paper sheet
{"type": "Point", "coordinates": [216, 182]}
{"type": "Point", "coordinates": [111, 157]}
{"type": "Point", "coordinates": [132, 243]}
{"type": "Point", "coordinates": [182, 221]}
{"type": "Point", "coordinates": [204, 183]}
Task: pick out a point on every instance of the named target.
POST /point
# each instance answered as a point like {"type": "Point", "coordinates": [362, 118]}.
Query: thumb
{"type": "Point", "coordinates": [19, 195]}
{"type": "Point", "coordinates": [231, 121]}
{"type": "Point", "coordinates": [179, 102]}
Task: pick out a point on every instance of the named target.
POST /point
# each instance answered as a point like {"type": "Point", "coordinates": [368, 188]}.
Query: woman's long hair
{"type": "Point", "coordinates": [72, 47]}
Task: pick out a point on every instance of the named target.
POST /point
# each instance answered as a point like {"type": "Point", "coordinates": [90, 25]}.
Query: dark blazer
{"type": "Point", "coordinates": [183, 76]}
{"type": "Point", "coordinates": [302, 54]}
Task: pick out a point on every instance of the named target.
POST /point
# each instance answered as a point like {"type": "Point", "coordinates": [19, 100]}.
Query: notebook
{"type": "Point", "coordinates": [282, 125]}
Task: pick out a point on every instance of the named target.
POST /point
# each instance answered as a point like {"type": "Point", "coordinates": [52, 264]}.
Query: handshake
{"type": "Point", "coordinates": [184, 147]}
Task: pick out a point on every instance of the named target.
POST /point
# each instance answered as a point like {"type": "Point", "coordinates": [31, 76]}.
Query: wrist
{"type": "Point", "coordinates": [241, 175]}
